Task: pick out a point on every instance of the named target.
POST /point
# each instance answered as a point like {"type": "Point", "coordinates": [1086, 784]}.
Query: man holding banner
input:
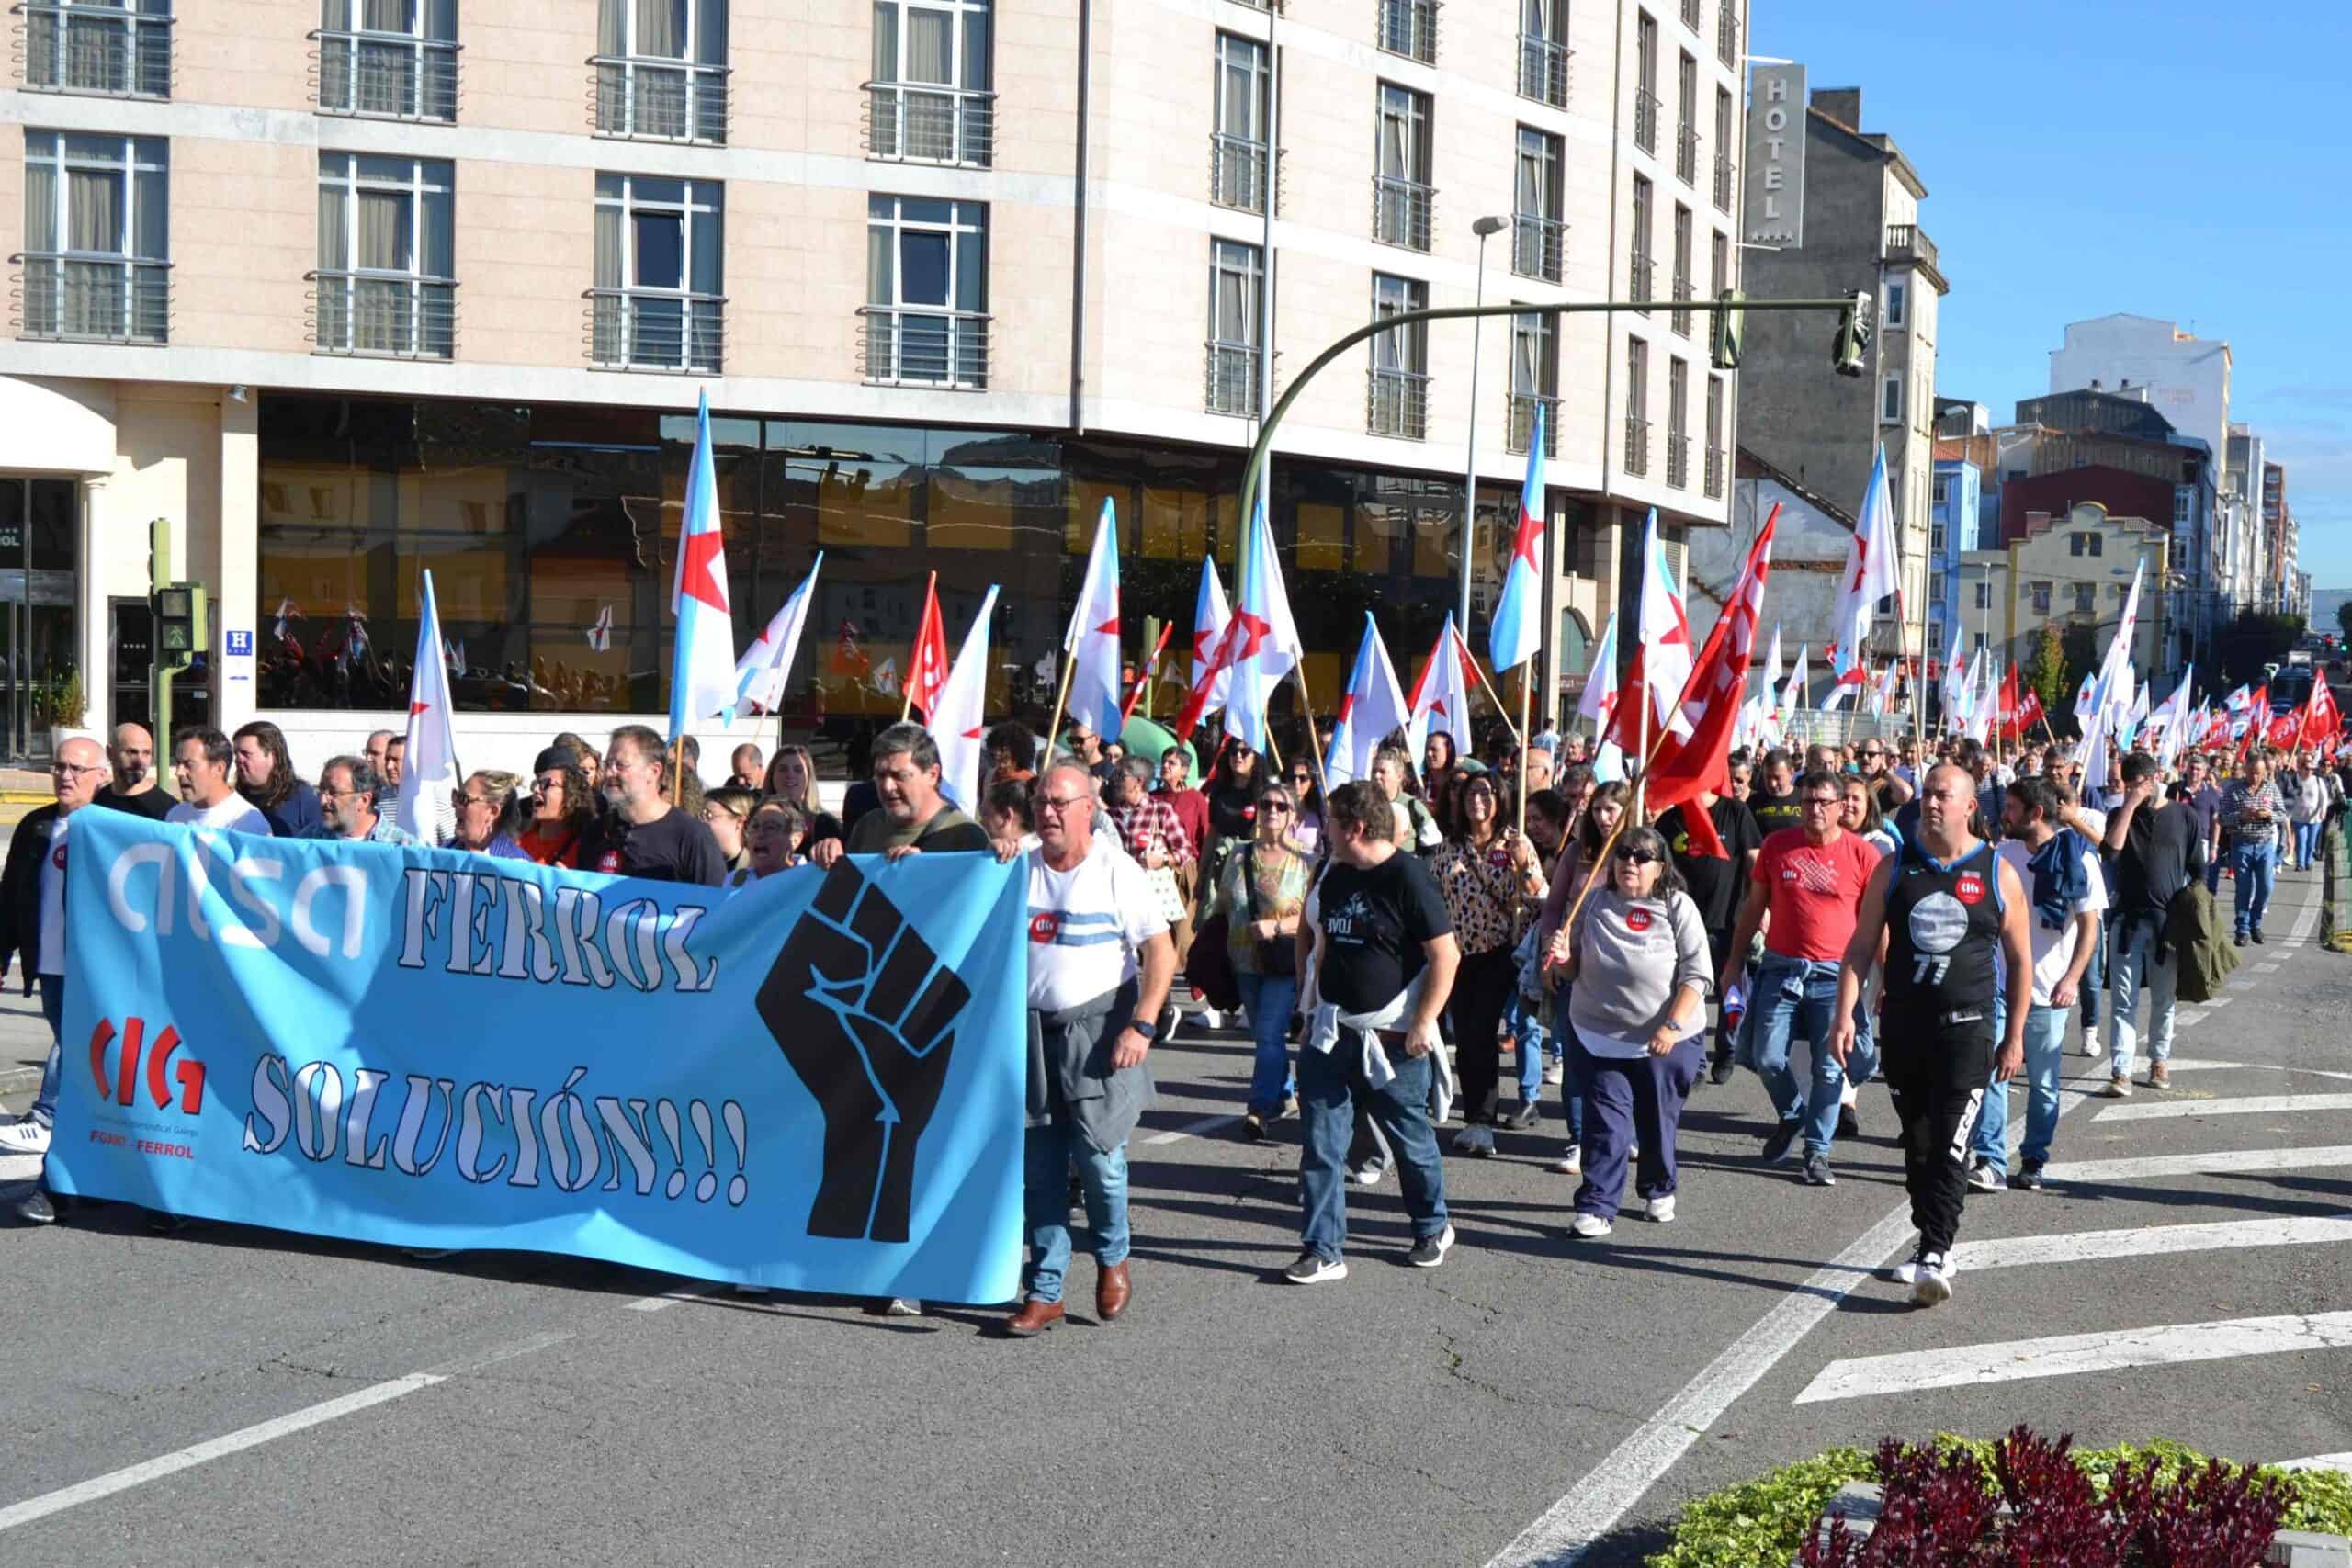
{"type": "Point", "coordinates": [641, 834]}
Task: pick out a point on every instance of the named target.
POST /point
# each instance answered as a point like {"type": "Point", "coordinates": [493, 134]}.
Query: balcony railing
{"type": "Point", "coordinates": [658, 99]}
{"type": "Point", "coordinates": [923, 348]}
{"type": "Point", "coordinates": [920, 124]}
{"type": "Point", "coordinates": [1690, 15]}
{"type": "Point", "coordinates": [1908, 241]}
{"type": "Point", "coordinates": [86, 299]}
{"type": "Point", "coordinates": [1685, 154]}
{"type": "Point", "coordinates": [389, 75]}
{"type": "Point", "coordinates": [1728, 32]}
{"type": "Point", "coordinates": [1397, 404]}
{"type": "Point", "coordinates": [1640, 278]}
{"type": "Point", "coordinates": [638, 329]}
{"type": "Point", "coordinates": [87, 49]}
{"type": "Point", "coordinates": [1727, 180]}
{"type": "Point", "coordinates": [1232, 378]}
{"type": "Point", "coordinates": [1543, 70]}
{"type": "Point", "coordinates": [1409, 28]}
{"type": "Point", "coordinates": [392, 317]}
{"type": "Point", "coordinates": [1714, 473]}
{"type": "Point", "coordinates": [1521, 423]}
{"type": "Point", "coordinates": [1647, 113]}
{"type": "Point", "coordinates": [1677, 459]}
{"type": "Point", "coordinates": [1637, 446]}
{"type": "Point", "coordinates": [1537, 244]}
{"type": "Point", "coordinates": [1400, 212]}
{"type": "Point", "coordinates": [1681, 305]}
{"type": "Point", "coordinates": [1237, 172]}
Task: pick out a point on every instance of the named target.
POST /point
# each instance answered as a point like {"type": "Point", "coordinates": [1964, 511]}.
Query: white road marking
{"type": "Point", "coordinates": [2320, 1461]}
{"type": "Point", "coordinates": [2223, 1000]}
{"type": "Point", "coordinates": [2084, 1246]}
{"type": "Point", "coordinates": [2011, 1361]}
{"type": "Point", "coordinates": [2200, 1065]}
{"type": "Point", "coordinates": [1199, 1129]}
{"type": "Point", "coordinates": [671, 1298]}
{"type": "Point", "coordinates": [2268, 968]}
{"type": "Point", "coordinates": [2250, 1105]}
{"type": "Point", "coordinates": [2225, 1162]}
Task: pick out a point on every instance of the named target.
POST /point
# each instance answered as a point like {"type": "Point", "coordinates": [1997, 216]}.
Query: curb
{"type": "Point", "coordinates": [15, 1080]}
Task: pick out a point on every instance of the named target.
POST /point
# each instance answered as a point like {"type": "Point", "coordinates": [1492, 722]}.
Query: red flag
{"type": "Point", "coordinates": [2322, 719]}
{"type": "Point", "coordinates": [927, 660]}
{"type": "Point", "coordinates": [2011, 726]}
{"type": "Point", "coordinates": [1143, 675]}
{"type": "Point", "coordinates": [2257, 716]}
{"type": "Point", "coordinates": [848, 657]}
{"type": "Point", "coordinates": [2028, 711]}
{"type": "Point", "coordinates": [1684, 766]}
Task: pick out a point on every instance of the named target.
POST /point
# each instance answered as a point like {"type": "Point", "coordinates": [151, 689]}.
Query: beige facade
{"type": "Point", "coordinates": [2071, 571]}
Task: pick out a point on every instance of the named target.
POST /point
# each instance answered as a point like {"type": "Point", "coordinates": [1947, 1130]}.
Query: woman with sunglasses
{"type": "Point", "coordinates": [562, 804]}
{"type": "Point", "coordinates": [1262, 892]}
{"type": "Point", "coordinates": [1489, 877]}
{"type": "Point", "coordinates": [1307, 827]}
{"type": "Point", "coordinates": [1603, 810]}
{"type": "Point", "coordinates": [1232, 787]}
{"type": "Point", "coordinates": [488, 814]}
{"type": "Point", "coordinates": [1637, 952]}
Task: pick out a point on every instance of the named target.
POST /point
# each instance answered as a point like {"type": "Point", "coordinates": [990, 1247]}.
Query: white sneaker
{"type": "Point", "coordinates": [1905, 1273]}
{"type": "Point", "coordinates": [1571, 1163]}
{"type": "Point", "coordinates": [1478, 1143]}
{"type": "Point", "coordinates": [1369, 1173]}
{"type": "Point", "coordinates": [1661, 1210]}
{"type": "Point", "coordinates": [1211, 1019]}
{"type": "Point", "coordinates": [24, 1136]}
{"type": "Point", "coordinates": [1931, 1285]}
{"type": "Point", "coordinates": [2091, 1045]}
{"type": "Point", "coordinates": [1590, 1227]}
{"type": "Point", "coordinates": [1555, 1073]}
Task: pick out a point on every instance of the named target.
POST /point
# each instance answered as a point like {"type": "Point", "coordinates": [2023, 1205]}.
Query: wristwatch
{"type": "Point", "coordinates": [1150, 1032]}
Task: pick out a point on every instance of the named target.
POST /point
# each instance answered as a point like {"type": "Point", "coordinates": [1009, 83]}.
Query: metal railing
{"type": "Point", "coordinates": [657, 98]}
{"type": "Point", "coordinates": [1537, 244]}
{"type": "Point", "coordinates": [1232, 378]}
{"type": "Point", "coordinates": [1727, 176]}
{"type": "Point", "coordinates": [923, 348]}
{"type": "Point", "coordinates": [1677, 459]}
{"type": "Point", "coordinates": [1409, 28]}
{"type": "Point", "coordinates": [922, 124]}
{"type": "Point", "coordinates": [1641, 278]}
{"type": "Point", "coordinates": [1400, 212]}
{"type": "Point", "coordinates": [1397, 402]}
{"type": "Point", "coordinates": [1714, 473]}
{"type": "Point", "coordinates": [1637, 446]}
{"type": "Point", "coordinates": [1237, 172]}
{"type": "Point", "coordinates": [1648, 107]}
{"type": "Point", "coordinates": [1728, 32]}
{"type": "Point", "coordinates": [1686, 153]}
{"type": "Point", "coordinates": [86, 299]}
{"type": "Point", "coordinates": [1543, 70]}
{"type": "Point", "coordinates": [637, 329]}
{"type": "Point", "coordinates": [1682, 304]}
{"type": "Point", "coordinates": [87, 49]}
{"type": "Point", "coordinates": [1520, 424]}
{"type": "Point", "coordinates": [386, 74]}
{"type": "Point", "coordinates": [1690, 14]}
{"type": "Point", "coordinates": [1908, 241]}
{"type": "Point", "coordinates": [379, 315]}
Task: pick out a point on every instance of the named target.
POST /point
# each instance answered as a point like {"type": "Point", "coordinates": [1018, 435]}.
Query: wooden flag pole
{"type": "Point", "coordinates": [1526, 674]}
{"type": "Point", "coordinates": [907, 686]}
{"type": "Point", "coordinates": [1053, 729]}
{"type": "Point", "coordinates": [1488, 687]}
{"type": "Point", "coordinates": [1314, 746]}
{"type": "Point", "coordinates": [1625, 819]}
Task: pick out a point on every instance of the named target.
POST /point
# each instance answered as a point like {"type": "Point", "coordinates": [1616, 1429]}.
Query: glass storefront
{"type": "Point", "coordinates": [543, 525]}
{"type": "Point", "coordinates": [40, 654]}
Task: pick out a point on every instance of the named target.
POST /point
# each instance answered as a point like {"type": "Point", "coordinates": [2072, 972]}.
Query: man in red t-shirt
{"type": "Point", "coordinates": [1806, 890]}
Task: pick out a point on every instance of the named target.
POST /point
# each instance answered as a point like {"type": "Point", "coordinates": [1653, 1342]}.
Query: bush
{"type": "Point", "coordinates": [1765, 1523]}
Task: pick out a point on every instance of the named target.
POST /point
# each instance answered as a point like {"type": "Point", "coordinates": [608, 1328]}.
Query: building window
{"type": "Point", "coordinates": [1400, 190]}
{"type": "Point", "coordinates": [1544, 52]}
{"type": "Point", "coordinates": [1642, 265]}
{"type": "Point", "coordinates": [659, 70]}
{"type": "Point", "coordinates": [384, 283]}
{"type": "Point", "coordinates": [1534, 381]}
{"type": "Point", "coordinates": [1714, 437]}
{"type": "Point", "coordinates": [1936, 587]}
{"type": "Point", "coordinates": [1984, 593]}
{"type": "Point", "coordinates": [926, 292]}
{"type": "Point", "coordinates": [1409, 28]}
{"type": "Point", "coordinates": [1718, 265]}
{"type": "Point", "coordinates": [393, 59]}
{"type": "Point", "coordinates": [1637, 406]}
{"type": "Point", "coordinates": [1682, 281]}
{"type": "Point", "coordinates": [1890, 400]}
{"type": "Point", "coordinates": [1538, 235]}
{"type": "Point", "coordinates": [1677, 422]}
{"type": "Point", "coordinates": [1646, 98]}
{"type": "Point", "coordinates": [1400, 380]}
{"type": "Point", "coordinates": [1726, 170]}
{"type": "Point", "coordinates": [930, 99]}
{"type": "Point", "coordinates": [96, 262]}
{"type": "Point", "coordinates": [2087, 597]}
{"type": "Point", "coordinates": [1239, 158]}
{"type": "Point", "coordinates": [657, 303]}
{"type": "Point", "coordinates": [2040, 593]}
{"type": "Point", "coordinates": [123, 48]}
{"type": "Point", "coordinates": [2086, 544]}
{"type": "Point", "coordinates": [1943, 491]}
{"type": "Point", "coordinates": [1236, 279]}
{"type": "Point", "coordinates": [1728, 32]}
{"type": "Point", "coordinates": [1937, 537]}
{"type": "Point", "coordinates": [2184, 506]}
{"type": "Point", "coordinates": [1899, 301]}
{"type": "Point", "coordinates": [1686, 126]}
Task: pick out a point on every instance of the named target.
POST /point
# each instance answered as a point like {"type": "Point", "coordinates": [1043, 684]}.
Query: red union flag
{"type": "Point", "coordinates": [1685, 766]}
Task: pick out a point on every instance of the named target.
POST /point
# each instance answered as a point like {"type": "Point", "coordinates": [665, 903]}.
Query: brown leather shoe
{"type": "Point", "coordinates": [1032, 1319]}
{"type": "Point", "coordinates": [1110, 1293]}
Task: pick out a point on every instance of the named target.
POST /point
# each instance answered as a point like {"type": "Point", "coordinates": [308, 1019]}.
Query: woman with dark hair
{"type": "Point", "coordinates": [562, 804]}
{"type": "Point", "coordinates": [1637, 952]}
{"type": "Point", "coordinates": [1005, 811]}
{"type": "Point", "coordinates": [490, 813]}
{"type": "Point", "coordinates": [1307, 827]}
{"type": "Point", "coordinates": [1232, 788]}
{"type": "Point", "coordinates": [265, 778]}
{"type": "Point", "coordinates": [1604, 808]}
{"type": "Point", "coordinates": [1488, 875]}
{"type": "Point", "coordinates": [775, 826]}
{"type": "Point", "coordinates": [1441, 758]}
{"type": "Point", "coordinates": [792, 778]}
{"type": "Point", "coordinates": [727, 811]}
{"type": "Point", "coordinates": [1262, 892]}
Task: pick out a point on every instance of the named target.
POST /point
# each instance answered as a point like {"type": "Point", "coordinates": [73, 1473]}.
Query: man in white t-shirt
{"type": "Point", "coordinates": [1099, 964]}
{"type": "Point", "coordinates": [201, 760]}
{"type": "Point", "coordinates": [2060, 875]}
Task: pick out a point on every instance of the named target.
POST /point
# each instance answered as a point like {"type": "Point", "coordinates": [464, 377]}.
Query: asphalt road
{"type": "Point", "coordinates": [234, 1395]}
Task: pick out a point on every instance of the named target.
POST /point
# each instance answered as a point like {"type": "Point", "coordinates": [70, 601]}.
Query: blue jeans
{"type": "Point", "coordinates": [52, 1008]}
{"type": "Point", "coordinates": [2095, 979]}
{"type": "Point", "coordinates": [2306, 844]}
{"type": "Point", "coordinates": [2255, 866]}
{"type": "Point", "coordinates": [1786, 997]}
{"type": "Point", "coordinates": [1525, 1019]}
{"type": "Point", "coordinates": [1635, 1100]}
{"type": "Point", "coordinates": [2139, 957]}
{"type": "Point", "coordinates": [1270, 998]}
{"type": "Point", "coordinates": [2046, 1047]}
{"type": "Point", "coordinates": [1050, 1153]}
{"type": "Point", "coordinates": [1331, 1085]}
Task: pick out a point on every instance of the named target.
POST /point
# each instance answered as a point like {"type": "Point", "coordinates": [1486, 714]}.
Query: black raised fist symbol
{"type": "Point", "coordinates": [866, 1014]}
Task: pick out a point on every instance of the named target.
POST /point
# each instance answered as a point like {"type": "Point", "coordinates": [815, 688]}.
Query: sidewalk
{"type": "Point", "coordinates": [24, 1044]}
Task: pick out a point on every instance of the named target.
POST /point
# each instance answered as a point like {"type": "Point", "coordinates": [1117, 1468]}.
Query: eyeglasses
{"type": "Point", "coordinates": [1636, 857]}
{"type": "Point", "coordinates": [1301, 780]}
{"type": "Point", "coordinates": [462, 798]}
{"type": "Point", "coordinates": [61, 769]}
{"type": "Point", "coordinates": [552, 781]}
{"type": "Point", "coordinates": [1826, 802]}
{"type": "Point", "coordinates": [1057, 803]}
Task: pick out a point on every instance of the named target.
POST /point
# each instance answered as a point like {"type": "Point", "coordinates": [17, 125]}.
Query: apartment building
{"type": "Point", "coordinates": [394, 286]}
{"type": "Point", "coordinates": [2072, 569]}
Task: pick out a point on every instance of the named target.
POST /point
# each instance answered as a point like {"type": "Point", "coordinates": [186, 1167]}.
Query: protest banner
{"type": "Point", "coordinates": [814, 1082]}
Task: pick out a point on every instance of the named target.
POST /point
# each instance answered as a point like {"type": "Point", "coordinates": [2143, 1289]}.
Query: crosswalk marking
{"type": "Point", "coordinates": [2225, 1162]}
{"type": "Point", "coordinates": [2066, 1355]}
{"type": "Point", "coordinates": [2079, 1247]}
{"type": "Point", "coordinates": [2223, 1000]}
{"type": "Point", "coordinates": [2320, 1461]}
{"type": "Point", "coordinates": [2268, 968]}
{"type": "Point", "coordinates": [2200, 1065]}
{"type": "Point", "coordinates": [2250, 1105]}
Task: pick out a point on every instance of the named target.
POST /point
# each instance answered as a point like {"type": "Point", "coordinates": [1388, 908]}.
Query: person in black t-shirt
{"type": "Point", "coordinates": [1772, 799]}
{"type": "Point", "coordinates": [640, 834]}
{"type": "Point", "coordinates": [134, 788]}
{"type": "Point", "coordinates": [1716, 885]}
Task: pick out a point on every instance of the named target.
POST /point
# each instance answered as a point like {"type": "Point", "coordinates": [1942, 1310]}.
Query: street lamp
{"type": "Point", "coordinates": [1483, 228]}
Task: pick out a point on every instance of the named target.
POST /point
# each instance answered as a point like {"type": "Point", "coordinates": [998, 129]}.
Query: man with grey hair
{"type": "Point", "coordinates": [640, 833]}
{"type": "Point", "coordinates": [32, 930]}
{"type": "Point", "coordinates": [347, 787]}
{"type": "Point", "coordinates": [914, 817]}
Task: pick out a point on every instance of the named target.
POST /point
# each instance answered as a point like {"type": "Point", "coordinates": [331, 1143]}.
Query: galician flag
{"type": "Point", "coordinates": [1517, 631]}
{"type": "Point", "coordinates": [1872, 571]}
{"type": "Point", "coordinates": [1371, 710]}
{"type": "Point", "coordinates": [1792, 696]}
{"type": "Point", "coordinates": [959, 719]}
{"type": "Point", "coordinates": [763, 673]}
{"type": "Point", "coordinates": [702, 659]}
{"type": "Point", "coordinates": [1210, 616]}
{"type": "Point", "coordinates": [2175, 718]}
{"type": "Point", "coordinates": [1661, 665]}
{"type": "Point", "coordinates": [1092, 640]}
{"type": "Point", "coordinates": [1261, 645]}
{"type": "Point", "coordinates": [1696, 755]}
{"type": "Point", "coordinates": [1440, 697]}
{"type": "Point", "coordinates": [429, 767]}
{"type": "Point", "coordinates": [1598, 704]}
{"type": "Point", "coordinates": [2111, 694]}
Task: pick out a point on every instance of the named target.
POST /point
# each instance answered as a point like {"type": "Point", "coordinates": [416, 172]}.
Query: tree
{"type": "Point", "coordinates": [2344, 618]}
{"type": "Point", "coordinates": [2045, 671]}
{"type": "Point", "coordinates": [2254, 641]}
{"type": "Point", "coordinates": [2081, 643]}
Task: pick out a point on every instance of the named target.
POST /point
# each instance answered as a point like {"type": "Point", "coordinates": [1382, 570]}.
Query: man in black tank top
{"type": "Point", "coordinates": [1945, 905]}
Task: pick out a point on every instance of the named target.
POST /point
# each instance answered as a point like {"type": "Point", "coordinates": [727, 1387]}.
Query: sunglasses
{"type": "Point", "coordinates": [1636, 857]}
{"type": "Point", "coordinates": [1273, 803]}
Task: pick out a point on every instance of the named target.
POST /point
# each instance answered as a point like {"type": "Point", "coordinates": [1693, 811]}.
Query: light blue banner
{"type": "Point", "coordinates": [815, 1082]}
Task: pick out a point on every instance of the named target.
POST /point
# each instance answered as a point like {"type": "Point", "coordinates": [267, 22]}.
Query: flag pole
{"type": "Point", "coordinates": [1488, 686]}
{"type": "Point", "coordinates": [1314, 746]}
{"type": "Point", "coordinates": [907, 687]}
{"type": "Point", "coordinates": [1526, 672]}
{"type": "Point", "coordinates": [1624, 819]}
{"type": "Point", "coordinates": [1053, 729]}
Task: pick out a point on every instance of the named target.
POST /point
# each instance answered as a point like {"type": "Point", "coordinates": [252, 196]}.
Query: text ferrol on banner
{"type": "Point", "coordinates": [814, 1082]}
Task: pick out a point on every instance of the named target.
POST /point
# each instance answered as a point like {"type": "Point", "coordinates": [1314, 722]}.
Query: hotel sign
{"type": "Point", "coordinates": [1775, 207]}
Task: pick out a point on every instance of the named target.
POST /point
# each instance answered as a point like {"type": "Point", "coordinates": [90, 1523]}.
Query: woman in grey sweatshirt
{"type": "Point", "coordinates": [1637, 1019]}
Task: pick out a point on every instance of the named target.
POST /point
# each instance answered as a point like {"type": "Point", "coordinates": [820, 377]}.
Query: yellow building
{"type": "Point", "coordinates": [2075, 570]}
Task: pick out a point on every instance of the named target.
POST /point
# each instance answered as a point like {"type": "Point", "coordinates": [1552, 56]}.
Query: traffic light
{"type": "Point", "coordinates": [1728, 325]}
{"type": "Point", "coordinates": [179, 622]}
{"type": "Point", "coordinates": [1852, 347]}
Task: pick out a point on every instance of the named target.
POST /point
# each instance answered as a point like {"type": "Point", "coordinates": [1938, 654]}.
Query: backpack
{"type": "Point", "coordinates": [2193, 927]}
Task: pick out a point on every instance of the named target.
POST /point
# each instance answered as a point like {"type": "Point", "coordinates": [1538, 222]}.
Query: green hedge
{"type": "Point", "coordinates": [1762, 1523]}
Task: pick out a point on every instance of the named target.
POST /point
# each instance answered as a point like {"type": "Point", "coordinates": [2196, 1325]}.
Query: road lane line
{"type": "Point", "coordinates": [2079, 1247]}
{"type": "Point", "coordinates": [2066, 1355]}
{"type": "Point", "coordinates": [106, 1485]}
{"type": "Point", "coordinates": [2225, 1162]}
{"type": "Point", "coordinates": [671, 1298]}
{"type": "Point", "coordinates": [2270, 968]}
{"type": "Point", "coordinates": [1199, 1129]}
{"type": "Point", "coordinates": [2223, 1000]}
{"type": "Point", "coordinates": [2249, 1105]}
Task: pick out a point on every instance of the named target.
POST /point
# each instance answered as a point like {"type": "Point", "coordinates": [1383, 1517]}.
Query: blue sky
{"type": "Point", "coordinates": [2083, 157]}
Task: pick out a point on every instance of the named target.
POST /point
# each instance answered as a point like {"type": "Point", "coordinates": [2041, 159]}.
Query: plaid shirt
{"type": "Point", "coordinates": [1152, 817]}
{"type": "Point", "coordinates": [2243, 797]}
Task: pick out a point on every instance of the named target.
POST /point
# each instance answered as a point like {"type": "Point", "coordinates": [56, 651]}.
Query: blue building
{"type": "Point", "coordinates": [1952, 527]}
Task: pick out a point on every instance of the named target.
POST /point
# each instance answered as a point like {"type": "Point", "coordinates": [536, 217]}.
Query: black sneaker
{"type": "Point", "coordinates": [1720, 1071]}
{"type": "Point", "coordinates": [34, 1209]}
{"type": "Point", "coordinates": [1778, 1142]}
{"type": "Point", "coordinates": [1817, 1172]}
{"type": "Point", "coordinates": [1431, 1250]}
{"type": "Point", "coordinates": [2257, 936]}
{"type": "Point", "coordinates": [2239, 939]}
{"type": "Point", "coordinates": [1986, 1177]}
{"type": "Point", "coordinates": [2028, 1177]}
{"type": "Point", "coordinates": [1312, 1270]}
{"type": "Point", "coordinates": [1528, 1114]}
{"type": "Point", "coordinates": [1849, 1124]}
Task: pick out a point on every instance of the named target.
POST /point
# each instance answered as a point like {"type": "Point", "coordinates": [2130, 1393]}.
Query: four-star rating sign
{"type": "Point", "coordinates": [703, 683]}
